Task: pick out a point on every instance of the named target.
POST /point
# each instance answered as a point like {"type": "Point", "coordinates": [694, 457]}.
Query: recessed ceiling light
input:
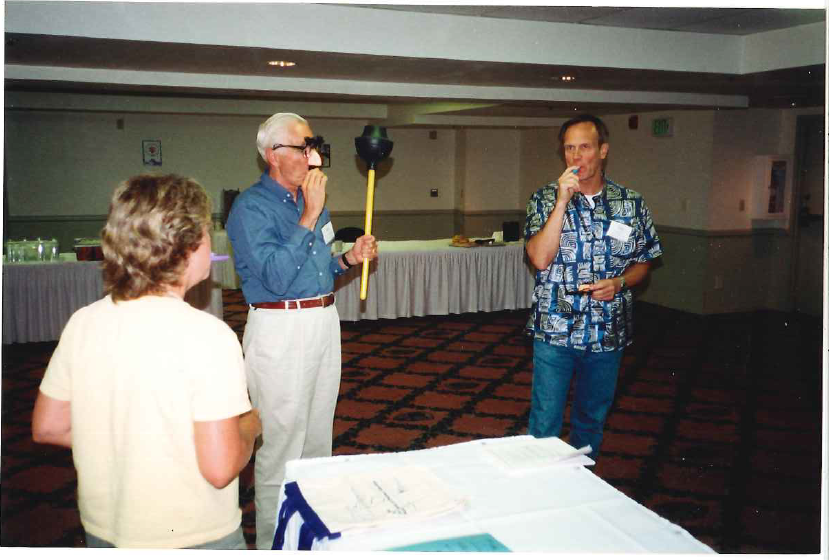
{"type": "Point", "coordinates": [568, 78]}
{"type": "Point", "coordinates": [281, 63]}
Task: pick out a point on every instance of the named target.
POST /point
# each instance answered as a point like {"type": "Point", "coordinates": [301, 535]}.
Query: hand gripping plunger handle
{"type": "Point", "coordinates": [369, 212]}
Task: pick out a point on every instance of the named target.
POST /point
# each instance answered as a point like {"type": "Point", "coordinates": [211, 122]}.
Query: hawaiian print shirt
{"type": "Point", "coordinates": [560, 314]}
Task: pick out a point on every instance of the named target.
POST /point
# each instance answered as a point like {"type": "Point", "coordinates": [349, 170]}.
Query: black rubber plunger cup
{"type": "Point", "coordinates": [372, 147]}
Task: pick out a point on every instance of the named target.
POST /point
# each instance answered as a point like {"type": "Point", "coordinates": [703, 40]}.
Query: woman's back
{"type": "Point", "coordinates": [138, 374]}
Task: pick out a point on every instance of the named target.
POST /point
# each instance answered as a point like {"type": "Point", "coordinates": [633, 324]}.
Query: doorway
{"type": "Point", "coordinates": [808, 252]}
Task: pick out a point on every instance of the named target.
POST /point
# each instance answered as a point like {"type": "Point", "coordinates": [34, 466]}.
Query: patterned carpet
{"type": "Point", "coordinates": [716, 424]}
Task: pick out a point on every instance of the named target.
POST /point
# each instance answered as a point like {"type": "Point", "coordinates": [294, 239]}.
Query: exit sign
{"type": "Point", "coordinates": [663, 127]}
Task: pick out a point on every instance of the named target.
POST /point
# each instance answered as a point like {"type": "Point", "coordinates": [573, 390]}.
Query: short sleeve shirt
{"type": "Point", "coordinates": [592, 248]}
{"type": "Point", "coordinates": [138, 375]}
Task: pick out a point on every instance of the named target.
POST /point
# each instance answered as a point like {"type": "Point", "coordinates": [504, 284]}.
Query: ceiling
{"type": "Point", "coordinates": [47, 58]}
{"type": "Point", "coordinates": [724, 21]}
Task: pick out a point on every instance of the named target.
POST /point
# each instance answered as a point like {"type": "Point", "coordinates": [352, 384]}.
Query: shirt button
{"type": "Point", "coordinates": [297, 268]}
{"type": "Point", "coordinates": [320, 273]}
{"type": "Point", "coordinates": [313, 252]}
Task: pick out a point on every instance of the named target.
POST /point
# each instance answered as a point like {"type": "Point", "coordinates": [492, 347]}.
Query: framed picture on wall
{"type": "Point", "coordinates": [151, 150]}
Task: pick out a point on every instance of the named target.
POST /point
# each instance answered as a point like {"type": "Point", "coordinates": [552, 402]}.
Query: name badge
{"type": "Point", "coordinates": [620, 231]}
{"type": "Point", "coordinates": [328, 233]}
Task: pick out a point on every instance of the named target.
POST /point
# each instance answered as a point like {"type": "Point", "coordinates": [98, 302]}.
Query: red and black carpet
{"type": "Point", "coordinates": [716, 424]}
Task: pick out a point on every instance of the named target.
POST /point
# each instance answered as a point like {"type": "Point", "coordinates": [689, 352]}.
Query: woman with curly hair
{"type": "Point", "coordinates": [149, 392]}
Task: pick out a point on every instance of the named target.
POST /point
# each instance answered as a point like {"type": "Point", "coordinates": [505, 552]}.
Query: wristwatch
{"type": "Point", "coordinates": [622, 283]}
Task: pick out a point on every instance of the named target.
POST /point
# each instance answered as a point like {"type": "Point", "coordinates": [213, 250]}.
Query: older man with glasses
{"type": "Point", "coordinates": [281, 235]}
{"type": "Point", "coordinates": [590, 240]}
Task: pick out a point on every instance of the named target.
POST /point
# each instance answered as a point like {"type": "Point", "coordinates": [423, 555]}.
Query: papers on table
{"type": "Point", "coordinates": [377, 497]}
{"type": "Point", "coordinates": [523, 455]}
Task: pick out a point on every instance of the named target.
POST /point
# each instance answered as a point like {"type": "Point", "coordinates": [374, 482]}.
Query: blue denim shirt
{"type": "Point", "coordinates": [275, 257]}
{"type": "Point", "coordinates": [560, 314]}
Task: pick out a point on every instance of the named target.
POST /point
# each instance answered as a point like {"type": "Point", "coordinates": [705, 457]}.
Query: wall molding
{"type": "Point", "coordinates": [79, 218]}
{"type": "Point", "coordinates": [779, 232]}
{"type": "Point", "coordinates": [660, 228]}
{"type": "Point", "coordinates": [348, 213]}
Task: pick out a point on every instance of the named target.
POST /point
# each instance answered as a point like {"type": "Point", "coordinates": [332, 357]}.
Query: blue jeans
{"type": "Point", "coordinates": [595, 385]}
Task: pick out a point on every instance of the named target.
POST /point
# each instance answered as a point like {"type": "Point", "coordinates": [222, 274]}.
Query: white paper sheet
{"type": "Point", "coordinates": [524, 455]}
{"type": "Point", "coordinates": [377, 497]}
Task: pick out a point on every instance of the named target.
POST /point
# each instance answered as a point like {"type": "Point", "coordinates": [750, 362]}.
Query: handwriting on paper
{"type": "Point", "coordinates": [376, 497]}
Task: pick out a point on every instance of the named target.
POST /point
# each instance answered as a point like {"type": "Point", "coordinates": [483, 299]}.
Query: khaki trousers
{"type": "Point", "coordinates": [293, 363]}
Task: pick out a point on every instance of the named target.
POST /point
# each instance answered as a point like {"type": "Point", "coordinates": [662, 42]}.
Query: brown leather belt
{"type": "Point", "coordinates": [322, 301]}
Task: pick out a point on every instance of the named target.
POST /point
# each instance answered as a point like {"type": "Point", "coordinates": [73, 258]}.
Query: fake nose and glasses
{"type": "Point", "coordinates": [372, 147]}
{"type": "Point", "coordinates": [314, 158]}
{"type": "Point", "coordinates": [314, 150]}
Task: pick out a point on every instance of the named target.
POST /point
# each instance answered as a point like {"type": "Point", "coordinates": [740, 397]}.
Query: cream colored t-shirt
{"type": "Point", "coordinates": [138, 374]}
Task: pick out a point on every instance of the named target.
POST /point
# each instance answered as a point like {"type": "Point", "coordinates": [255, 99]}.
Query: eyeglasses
{"type": "Point", "coordinates": [316, 143]}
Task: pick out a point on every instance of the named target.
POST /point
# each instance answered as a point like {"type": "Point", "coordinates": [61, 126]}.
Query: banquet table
{"type": "Point", "coordinates": [39, 297]}
{"type": "Point", "coordinates": [419, 278]}
{"type": "Point", "coordinates": [554, 508]}
{"type": "Point", "coordinates": [224, 272]}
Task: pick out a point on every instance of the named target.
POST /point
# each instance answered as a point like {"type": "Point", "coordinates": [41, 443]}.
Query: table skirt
{"type": "Point", "coordinates": [416, 279]}
{"type": "Point", "coordinates": [39, 298]}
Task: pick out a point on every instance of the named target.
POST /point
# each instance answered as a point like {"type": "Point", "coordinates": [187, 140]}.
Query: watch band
{"type": "Point", "coordinates": [345, 262]}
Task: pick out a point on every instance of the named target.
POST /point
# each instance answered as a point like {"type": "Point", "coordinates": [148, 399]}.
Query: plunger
{"type": "Point", "coordinates": [372, 147]}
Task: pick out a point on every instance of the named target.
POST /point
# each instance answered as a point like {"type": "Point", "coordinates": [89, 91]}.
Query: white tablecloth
{"type": "Point", "coordinates": [39, 297]}
{"type": "Point", "coordinates": [224, 272]}
{"type": "Point", "coordinates": [563, 509]}
{"type": "Point", "coordinates": [419, 278]}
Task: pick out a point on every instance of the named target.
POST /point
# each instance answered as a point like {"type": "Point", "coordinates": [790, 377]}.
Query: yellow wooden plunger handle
{"type": "Point", "coordinates": [369, 211]}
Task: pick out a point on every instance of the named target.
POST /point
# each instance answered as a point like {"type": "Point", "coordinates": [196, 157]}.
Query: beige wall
{"type": "Point", "coordinates": [68, 163]}
{"type": "Point", "coordinates": [492, 169]}
{"type": "Point", "coordinates": [731, 260]}
{"type": "Point", "coordinates": [674, 174]}
{"type": "Point", "coordinates": [62, 165]}
{"type": "Point", "coordinates": [418, 164]}
{"type": "Point", "coordinates": [540, 161]}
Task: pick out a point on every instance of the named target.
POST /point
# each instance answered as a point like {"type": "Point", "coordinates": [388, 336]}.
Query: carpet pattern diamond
{"type": "Point", "coordinates": [716, 424]}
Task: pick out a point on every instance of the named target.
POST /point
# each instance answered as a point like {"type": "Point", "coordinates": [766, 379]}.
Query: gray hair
{"type": "Point", "coordinates": [271, 130]}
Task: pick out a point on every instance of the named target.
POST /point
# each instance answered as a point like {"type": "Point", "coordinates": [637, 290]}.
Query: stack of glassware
{"type": "Point", "coordinates": [32, 250]}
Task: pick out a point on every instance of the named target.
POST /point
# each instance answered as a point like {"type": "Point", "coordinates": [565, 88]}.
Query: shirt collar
{"type": "Point", "coordinates": [592, 199]}
{"type": "Point", "coordinates": [275, 186]}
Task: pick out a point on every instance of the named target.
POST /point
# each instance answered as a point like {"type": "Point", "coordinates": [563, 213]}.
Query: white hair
{"type": "Point", "coordinates": [271, 130]}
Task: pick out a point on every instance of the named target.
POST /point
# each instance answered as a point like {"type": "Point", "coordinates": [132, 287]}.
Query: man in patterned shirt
{"type": "Point", "coordinates": [590, 240]}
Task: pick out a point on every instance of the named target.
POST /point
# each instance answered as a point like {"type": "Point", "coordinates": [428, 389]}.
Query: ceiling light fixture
{"type": "Point", "coordinates": [281, 63]}
{"type": "Point", "coordinates": [568, 78]}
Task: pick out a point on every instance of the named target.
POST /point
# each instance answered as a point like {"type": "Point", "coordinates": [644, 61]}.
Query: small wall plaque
{"type": "Point", "coordinates": [152, 152]}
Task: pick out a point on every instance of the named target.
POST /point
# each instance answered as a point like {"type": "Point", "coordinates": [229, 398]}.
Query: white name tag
{"type": "Point", "coordinates": [619, 231]}
{"type": "Point", "coordinates": [328, 233]}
